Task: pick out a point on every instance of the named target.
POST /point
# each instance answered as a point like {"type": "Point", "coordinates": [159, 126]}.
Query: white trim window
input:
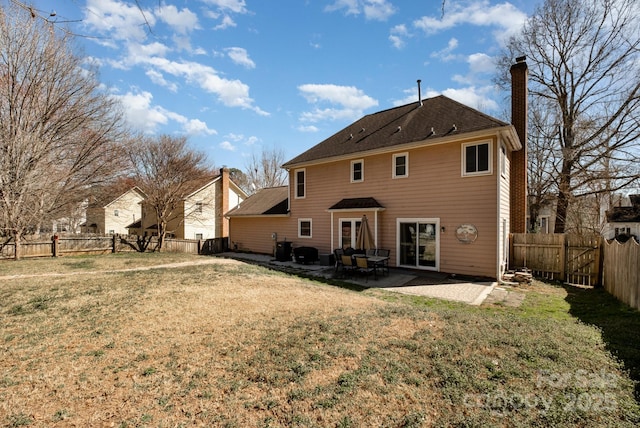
{"type": "Point", "coordinates": [305, 226]}
{"type": "Point", "coordinates": [198, 208]}
{"type": "Point", "coordinates": [400, 165]}
{"type": "Point", "coordinates": [476, 159]}
{"type": "Point", "coordinates": [357, 171]}
{"type": "Point", "coordinates": [300, 182]}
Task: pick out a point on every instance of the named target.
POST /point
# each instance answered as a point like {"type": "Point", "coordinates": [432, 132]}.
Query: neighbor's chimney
{"type": "Point", "coordinates": [519, 108]}
{"type": "Point", "coordinates": [224, 197]}
{"type": "Point", "coordinates": [419, 93]}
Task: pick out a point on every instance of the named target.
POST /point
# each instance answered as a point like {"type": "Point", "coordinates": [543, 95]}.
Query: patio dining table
{"type": "Point", "coordinates": [377, 261]}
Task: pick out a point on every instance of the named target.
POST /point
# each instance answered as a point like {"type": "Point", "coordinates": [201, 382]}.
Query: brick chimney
{"type": "Point", "coordinates": [519, 110]}
{"type": "Point", "coordinates": [224, 202]}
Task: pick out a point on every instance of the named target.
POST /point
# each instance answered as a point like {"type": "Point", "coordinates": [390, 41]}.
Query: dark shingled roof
{"type": "Point", "coordinates": [436, 118]}
{"type": "Point", "coordinates": [268, 201]}
{"type": "Point", "coordinates": [626, 214]}
{"type": "Point", "coordinates": [356, 203]}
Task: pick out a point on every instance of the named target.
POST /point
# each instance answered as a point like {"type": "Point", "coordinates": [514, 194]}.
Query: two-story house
{"type": "Point", "coordinates": [109, 213]}
{"type": "Point", "coordinates": [442, 186]}
{"type": "Point", "coordinates": [623, 222]}
{"type": "Point", "coordinates": [200, 213]}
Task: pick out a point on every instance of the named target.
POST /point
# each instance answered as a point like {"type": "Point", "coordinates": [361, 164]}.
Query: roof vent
{"type": "Point", "coordinates": [454, 127]}
{"type": "Point", "coordinates": [351, 136]}
{"type": "Point", "coordinates": [399, 129]}
{"type": "Point", "coordinates": [362, 130]}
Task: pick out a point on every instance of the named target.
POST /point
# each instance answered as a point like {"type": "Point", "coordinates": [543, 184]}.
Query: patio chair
{"type": "Point", "coordinates": [364, 268]}
{"type": "Point", "coordinates": [372, 252]}
{"type": "Point", "coordinates": [337, 255]}
{"type": "Point", "coordinates": [348, 268]}
{"type": "Point", "coordinates": [384, 265]}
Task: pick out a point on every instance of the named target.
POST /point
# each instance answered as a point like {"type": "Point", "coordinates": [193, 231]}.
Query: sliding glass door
{"type": "Point", "coordinates": [419, 243]}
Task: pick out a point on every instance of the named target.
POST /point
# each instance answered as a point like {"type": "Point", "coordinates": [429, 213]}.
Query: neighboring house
{"type": "Point", "coordinates": [201, 212]}
{"type": "Point", "coordinates": [623, 222]}
{"type": "Point", "coordinates": [545, 221]}
{"type": "Point", "coordinates": [109, 214]}
{"type": "Point", "coordinates": [442, 186]}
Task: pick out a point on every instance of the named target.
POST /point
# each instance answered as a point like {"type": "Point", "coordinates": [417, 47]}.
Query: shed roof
{"type": "Point", "coordinates": [356, 204]}
{"type": "Point", "coordinates": [267, 201]}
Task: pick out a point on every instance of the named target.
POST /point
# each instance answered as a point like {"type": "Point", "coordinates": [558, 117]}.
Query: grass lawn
{"type": "Point", "coordinates": [91, 341]}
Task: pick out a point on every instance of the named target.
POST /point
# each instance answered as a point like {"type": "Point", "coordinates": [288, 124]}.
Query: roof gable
{"type": "Point", "coordinates": [437, 117]}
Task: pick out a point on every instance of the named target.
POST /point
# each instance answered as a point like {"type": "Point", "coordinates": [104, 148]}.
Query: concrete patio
{"type": "Point", "coordinates": [428, 284]}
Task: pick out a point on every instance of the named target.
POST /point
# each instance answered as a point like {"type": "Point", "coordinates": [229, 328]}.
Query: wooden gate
{"type": "Point", "coordinates": [583, 260]}
{"type": "Point", "coordinates": [570, 258]}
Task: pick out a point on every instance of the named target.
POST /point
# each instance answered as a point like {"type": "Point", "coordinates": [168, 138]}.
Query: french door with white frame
{"type": "Point", "coordinates": [349, 231]}
{"type": "Point", "coordinates": [418, 243]}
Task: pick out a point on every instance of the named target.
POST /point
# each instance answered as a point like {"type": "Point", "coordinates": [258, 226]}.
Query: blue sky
{"type": "Point", "coordinates": [237, 76]}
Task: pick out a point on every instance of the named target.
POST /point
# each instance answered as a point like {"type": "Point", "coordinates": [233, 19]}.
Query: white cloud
{"type": "Point", "coordinates": [159, 79]}
{"type": "Point", "coordinates": [481, 63]}
{"type": "Point", "coordinates": [236, 6]}
{"type": "Point", "coordinates": [118, 20]}
{"type": "Point", "coordinates": [472, 96]}
{"type": "Point", "coordinates": [183, 21]}
{"type": "Point", "coordinates": [227, 22]}
{"type": "Point", "coordinates": [251, 141]}
{"type": "Point", "coordinates": [505, 16]}
{"type": "Point", "coordinates": [397, 36]}
{"type": "Point", "coordinates": [308, 128]}
{"type": "Point", "coordinates": [232, 93]}
{"type": "Point", "coordinates": [226, 145]}
{"type": "Point", "coordinates": [446, 54]}
{"type": "Point", "coordinates": [198, 127]}
{"type": "Point", "coordinates": [379, 10]}
{"type": "Point", "coordinates": [143, 115]}
{"type": "Point", "coordinates": [351, 102]}
{"type": "Point", "coordinates": [241, 57]}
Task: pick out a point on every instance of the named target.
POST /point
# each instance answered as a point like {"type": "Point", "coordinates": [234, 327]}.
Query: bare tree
{"type": "Point", "coordinates": [58, 130]}
{"type": "Point", "coordinates": [167, 170]}
{"type": "Point", "coordinates": [542, 162]}
{"type": "Point", "coordinates": [265, 170]}
{"type": "Point", "coordinates": [584, 60]}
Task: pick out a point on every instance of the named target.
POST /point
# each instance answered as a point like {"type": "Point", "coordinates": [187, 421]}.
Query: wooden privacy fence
{"type": "Point", "coordinates": [575, 259]}
{"type": "Point", "coordinates": [73, 245]}
{"type": "Point", "coordinates": [620, 271]}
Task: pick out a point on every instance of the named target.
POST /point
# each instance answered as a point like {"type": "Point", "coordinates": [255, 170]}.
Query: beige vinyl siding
{"type": "Point", "coordinates": [505, 213]}
{"type": "Point", "coordinates": [129, 211]}
{"type": "Point", "coordinates": [204, 222]}
{"type": "Point", "coordinates": [255, 233]}
{"type": "Point", "coordinates": [435, 188]}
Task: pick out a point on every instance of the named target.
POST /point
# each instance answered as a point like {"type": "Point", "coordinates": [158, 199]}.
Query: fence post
{"type": "Point", "coordinates": [199, 246]}
{"type": "Point", "coordinates": [55, 245]}
{"type": "Point", "coordinates": [113, 243]}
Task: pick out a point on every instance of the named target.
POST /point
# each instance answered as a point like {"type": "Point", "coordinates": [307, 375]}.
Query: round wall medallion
{"type": "Point", "coordinates": [466, 233]}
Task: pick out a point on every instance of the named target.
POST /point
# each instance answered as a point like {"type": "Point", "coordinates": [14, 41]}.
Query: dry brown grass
{"type": "Point", "coordinates": [229, 344]}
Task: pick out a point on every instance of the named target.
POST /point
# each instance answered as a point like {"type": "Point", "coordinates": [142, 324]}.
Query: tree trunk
{"type": "Point", "coordinates": [564, 194]}
{"type": "Point", "coordinates": [16, 253]}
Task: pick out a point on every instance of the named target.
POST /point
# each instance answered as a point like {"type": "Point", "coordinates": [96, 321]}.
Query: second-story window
{"type": "Point", "coordinates": [198, 208]}
{"type": "Point", "coordinates": [300, 183]}
{"type": "Point", "coordinates": [357, 171]}
{"type": "Point", "coordinates": [116, 213]}
{"type": "Point", "coordinates": [400, 165]}
{"type": "Point", "coordinates": [476, 159]}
